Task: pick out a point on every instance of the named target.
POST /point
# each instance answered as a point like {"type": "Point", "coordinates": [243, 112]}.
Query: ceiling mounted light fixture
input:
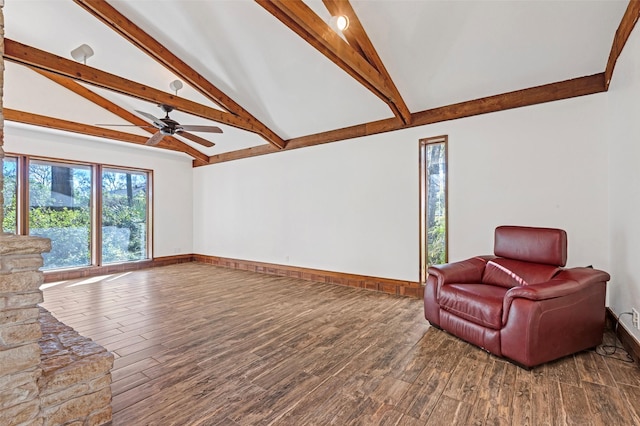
{"type": "Point", "coordinates": [176, 85]}
{"type": "Point", "coordinates": [81, 53]}
{"type": "Point", "coordinates": [339, 22]}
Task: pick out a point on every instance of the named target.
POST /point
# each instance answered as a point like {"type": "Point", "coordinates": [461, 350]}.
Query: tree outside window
{"type": "Point", "coordinates": [433, 203]}
{"type": "Point", "coordinates": [124, 216]}
{"type": "Point", "coordinates": [10, 194]}
{"type": "Point", "coordinates": [92, 214]}
{"type": "Point", "coordinates": [60, 209]}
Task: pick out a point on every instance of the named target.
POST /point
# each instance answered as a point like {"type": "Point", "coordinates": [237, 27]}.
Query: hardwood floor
{"type": "Point", "coordinates": [201, 345]}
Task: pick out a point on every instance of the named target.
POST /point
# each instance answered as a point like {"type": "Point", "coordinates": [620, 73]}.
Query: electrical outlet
{"type": "Point", "coordinates": [636, 319]}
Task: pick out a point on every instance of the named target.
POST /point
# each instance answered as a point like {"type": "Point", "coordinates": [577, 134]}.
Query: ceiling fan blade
{"type": "Point", "coordinates": [126, 125]}
{"type": "Point", "coordinates": [196, 139]}
{"type": "Point", "coordinates": [196, 128]}
{"type": "Point", "coordinates": [156, 121]}
{"type": "Point", "coordinates": [155, 139]}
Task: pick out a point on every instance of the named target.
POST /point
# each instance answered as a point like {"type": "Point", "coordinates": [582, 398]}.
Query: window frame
{"type": "Point", "coordinates": [423, 200]}
{"type": "Point", "coordinates": [95, 203]}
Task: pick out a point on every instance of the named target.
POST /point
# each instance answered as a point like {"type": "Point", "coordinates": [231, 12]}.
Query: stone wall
{"type": "Point", "coordinates": [20, 258]}
{"type": "Point", "coordinates": [1, 113]}
{"type": "Point", "coordinates": [75, 382]}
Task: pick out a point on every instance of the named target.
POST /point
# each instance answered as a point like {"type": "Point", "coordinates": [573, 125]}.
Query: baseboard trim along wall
{"type": "Point", "coordinates": [626, 338]}
{"type": "Point", "coordinates": [116, 268]}
{"type": "Point", "coordinates": [384, 285]}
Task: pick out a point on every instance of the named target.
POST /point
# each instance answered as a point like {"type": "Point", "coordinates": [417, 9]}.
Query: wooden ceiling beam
{"type": "Point", "coordinates": [535, 95]}
{"type": "Point", "coordinates": [168, 142]}
{"type": "Point", "coordinates": [303, 21]}
{"type": "Point", "coordinates": [83, 129]}
{"type": "Point", "coordinates": [253, 151]}
{"type": "Point", "coordinates": [358, 39]}
{"type": "Point", "coordinates": [134, 34]}
{"type": "Point", "coordinates": [623, 32]}
{"type": "Point", "coordinates": [70, 126]}
{"type": "Point", "coordinates": [39, 59]}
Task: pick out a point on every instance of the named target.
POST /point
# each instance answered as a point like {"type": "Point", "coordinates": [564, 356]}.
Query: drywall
{"type": "Point", "coordinates": [348, 207]}
{"type": "Point", "coordinates": [172, 176]}
{"type": "Point", "coordinates": [623, 112]}
{"type": "Point", "coordinates": [352, 206]}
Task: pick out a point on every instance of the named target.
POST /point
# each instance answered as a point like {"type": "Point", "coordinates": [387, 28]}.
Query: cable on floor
{"type": "Point", "coordinates": [609, 351]}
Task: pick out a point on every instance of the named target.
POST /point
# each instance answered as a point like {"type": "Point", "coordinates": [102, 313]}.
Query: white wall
{"type": "Point", "coordinates": [352, 206]}
{"type": "Point", "coordinates": [349, 207]}
{"type": "Point", "coordinates": [624, 136]}
{"type": "Point", "coordinates": [172, 176]}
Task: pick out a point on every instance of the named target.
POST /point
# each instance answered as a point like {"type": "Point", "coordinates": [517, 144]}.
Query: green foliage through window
{"type": "Point", "coordinates": [10, 194]}
{"type": "Point", "coordinates": [124, 216]}
{"type": "Point", "coordinates": [433, 182]}
{"type": "Point", "coordinates": [60, 209]}
{"type": "Point", "coordinates": [60, 206]}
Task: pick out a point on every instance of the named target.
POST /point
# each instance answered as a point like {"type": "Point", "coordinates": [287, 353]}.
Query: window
{"type": "Point", "coordinates": [60, 209]}
{"type": "Point", "coordinates": [93, 214]}
{"type": "Point", "coordinates": [10, 194]}
{"type": "Point", "coordinates": [433, 203]}
{"type": "Point", "coordinates": [124, 215]}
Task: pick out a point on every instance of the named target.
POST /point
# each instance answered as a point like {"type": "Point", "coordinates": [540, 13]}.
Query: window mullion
{"type": "Point", "coordinates": [97, 212]}
{"type": "Point", "coordinates": [23, 195]}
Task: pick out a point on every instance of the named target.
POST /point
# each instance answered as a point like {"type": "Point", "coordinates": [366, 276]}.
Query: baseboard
{"type": "Point", "coordinates": [626, 338]}
{"type": "Point", "coordinates": [384, 285]}
{"type": "Point", "coordinates": [93, 271]}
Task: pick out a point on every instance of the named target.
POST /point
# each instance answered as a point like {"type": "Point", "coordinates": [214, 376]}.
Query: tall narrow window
{"type": "Point", "coordinates": [124, 215]}
{"type": "Point", "coordinates": [10, 194]}
{"type": "Point", "coordinates": [433, 203]}
{"type": "Point", "coordinates": [60, 209]}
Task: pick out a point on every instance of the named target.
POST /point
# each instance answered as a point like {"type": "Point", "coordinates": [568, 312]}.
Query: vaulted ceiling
{"type": "Point", "coordinates": [273, 74]}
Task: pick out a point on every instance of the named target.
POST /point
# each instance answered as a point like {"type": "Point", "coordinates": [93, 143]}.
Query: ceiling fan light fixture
{"type": "Point", "coordinates": [339, 23]}
{"type": "Point", "coordinates": [81, 53]}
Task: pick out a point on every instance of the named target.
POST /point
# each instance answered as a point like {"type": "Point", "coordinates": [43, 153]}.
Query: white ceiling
{"type": "Point", "coordinates": [437, 52]}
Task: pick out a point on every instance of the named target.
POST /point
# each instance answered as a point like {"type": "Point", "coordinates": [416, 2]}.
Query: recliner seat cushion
{"type": "Point", "coordinates": [513, 273]}
{"type": "Point", "coordinates": [478, 303]}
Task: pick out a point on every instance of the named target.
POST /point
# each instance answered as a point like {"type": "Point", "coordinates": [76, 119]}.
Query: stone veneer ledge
{"type": "Point", "coordinates": [75, 382]}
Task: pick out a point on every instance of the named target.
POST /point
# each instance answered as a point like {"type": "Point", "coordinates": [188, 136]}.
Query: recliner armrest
{"type": "Point", "coordinates": [567, 282]}
{"type": "Point", "coordinates": [548, 290]}
{"type": "Point", "coordinates": [464, 271]}
{"type": "Point", "coordinates": [584, 275]}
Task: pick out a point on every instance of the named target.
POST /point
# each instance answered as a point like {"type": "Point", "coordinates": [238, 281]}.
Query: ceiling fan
{"type": "Point", "coordinates": [168, 126]}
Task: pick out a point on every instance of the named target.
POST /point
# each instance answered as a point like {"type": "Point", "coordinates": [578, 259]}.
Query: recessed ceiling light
{"type": "Point", "coordinates": [339, 22]}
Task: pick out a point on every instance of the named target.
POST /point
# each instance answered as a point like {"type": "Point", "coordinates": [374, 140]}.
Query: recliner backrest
{"type": "Point", "coordinates": [528, 244]}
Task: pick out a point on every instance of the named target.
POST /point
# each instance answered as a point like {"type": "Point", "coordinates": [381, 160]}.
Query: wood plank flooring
{"type": "Point", "coordinates": [201, 345]}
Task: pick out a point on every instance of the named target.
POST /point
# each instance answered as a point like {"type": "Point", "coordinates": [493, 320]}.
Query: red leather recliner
{"type": "Point", "coordinates": [520, 304]}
